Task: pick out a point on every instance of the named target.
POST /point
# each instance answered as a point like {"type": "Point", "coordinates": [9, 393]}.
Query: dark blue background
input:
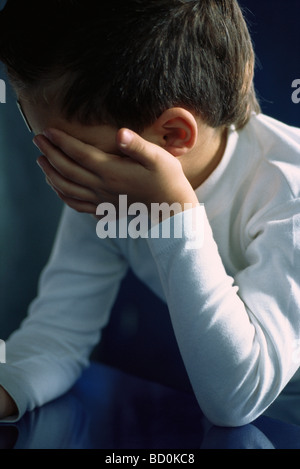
{"type": "Point", "coordinates": [275, 30]}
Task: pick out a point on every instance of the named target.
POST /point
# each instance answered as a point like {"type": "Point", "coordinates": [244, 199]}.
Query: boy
{"type": "Point", "coordinates": [155, 100]}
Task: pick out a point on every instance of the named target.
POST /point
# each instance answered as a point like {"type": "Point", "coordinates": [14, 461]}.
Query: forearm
{"type": "Point", "coordinates": [228, 355]}
{"type": "Point", "coordinates": [76, 292]}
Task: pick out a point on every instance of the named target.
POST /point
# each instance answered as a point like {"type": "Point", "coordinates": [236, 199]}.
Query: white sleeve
{"type": "Point", "coordinates": [236, 336]}
{"type": "Point", "coordinates": [76, 292]}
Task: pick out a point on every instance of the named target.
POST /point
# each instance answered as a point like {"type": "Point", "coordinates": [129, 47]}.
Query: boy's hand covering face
{"type": "Point", "coordinates": [84, 176]}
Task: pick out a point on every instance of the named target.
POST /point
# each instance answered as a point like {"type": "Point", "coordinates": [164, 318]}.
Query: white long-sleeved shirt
{"type": "Point", "coordinates": [234, 303]}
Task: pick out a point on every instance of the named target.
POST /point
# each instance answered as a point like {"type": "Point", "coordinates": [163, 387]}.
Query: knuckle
{"type": "Point", "coordinates": [80, 154]}
{"type": "Point", "coordinates": [79, 209]}
{"type": "Point", "coordinates": [140, 146]}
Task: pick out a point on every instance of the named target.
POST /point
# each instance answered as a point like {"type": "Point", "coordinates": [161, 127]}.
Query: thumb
{"type": "Point", "coordinates": [137, 148]}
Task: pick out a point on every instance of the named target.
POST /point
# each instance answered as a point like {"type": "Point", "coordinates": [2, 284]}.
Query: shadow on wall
{"type": "Point", "coordinates": [30, 210]}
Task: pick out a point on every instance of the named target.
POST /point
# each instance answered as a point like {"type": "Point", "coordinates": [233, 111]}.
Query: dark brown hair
{"type": "Point", "coordinates": [125, 62]}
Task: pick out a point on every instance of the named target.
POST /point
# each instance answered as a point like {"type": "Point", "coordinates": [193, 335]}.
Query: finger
{"type": "Point", "coordinates": [63, 185]}
{"type": "Point", "coordinates": [133, 145]}
{"type": "Point", "coordinates": [65, 165]}
{"type": "Point", "coordinates": [78, 205]}
{"type": "Point", "coordinates": [82, 153]}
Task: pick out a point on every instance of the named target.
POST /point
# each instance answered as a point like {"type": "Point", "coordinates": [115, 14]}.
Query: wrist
{"type": "Point", "coordinates": [183, 200]}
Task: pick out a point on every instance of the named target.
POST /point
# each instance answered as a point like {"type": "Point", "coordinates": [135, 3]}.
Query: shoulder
{"type": "Point", "coordinates": [277, 151]}
{"type": "Point", "coordinates": [275, 128]}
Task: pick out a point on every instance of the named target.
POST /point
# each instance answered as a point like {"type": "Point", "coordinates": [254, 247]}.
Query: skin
{"type": "Point", "coordinates": [7, 404]}
{"type": "Point", "coordinates": [87, 165]}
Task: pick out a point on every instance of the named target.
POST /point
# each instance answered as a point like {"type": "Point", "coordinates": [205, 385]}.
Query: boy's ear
{"type": "Point", "coordinates": [177, 131]}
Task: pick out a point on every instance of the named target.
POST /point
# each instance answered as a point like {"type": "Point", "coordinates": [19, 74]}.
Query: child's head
{"type": "Point", "coordinates": [123, 63]}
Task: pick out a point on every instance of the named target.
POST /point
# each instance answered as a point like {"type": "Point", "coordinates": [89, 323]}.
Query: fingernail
{"type": "Point", "coordinates": [39, 164]}
{"type": "Point", "coordinates": [36, 142]}
{"type": "Point", "coordinates": [126, 138]}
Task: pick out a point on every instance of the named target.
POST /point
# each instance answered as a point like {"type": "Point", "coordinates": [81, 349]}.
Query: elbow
{"type": "Point", "coordinates": [234, 413]}
{"type": "Point", "coordinates": [240, 405]}
{"type": "Point", "coordinates": [230, 419]}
